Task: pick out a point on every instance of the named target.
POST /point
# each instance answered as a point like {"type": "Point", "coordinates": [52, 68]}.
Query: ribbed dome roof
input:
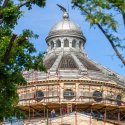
{"type": "Point", "coordinates": [65, 27]}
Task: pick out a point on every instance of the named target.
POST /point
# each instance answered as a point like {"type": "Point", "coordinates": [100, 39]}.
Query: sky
{"type": "Point", "coordinates": [41, 20]}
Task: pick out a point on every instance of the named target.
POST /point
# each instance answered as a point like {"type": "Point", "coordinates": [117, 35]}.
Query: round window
{"type": "Point", "coordinates": [39, 95]}
{"type": "Point", "coordinates": [118, 98]}
{"type": "Point", "coordinates": [97, 96]}
{"type": "Point", "coordinates": [68, 94]}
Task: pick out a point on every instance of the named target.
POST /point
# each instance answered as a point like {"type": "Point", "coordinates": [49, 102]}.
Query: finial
{"type": "Point", "coordinates": [65, 13]}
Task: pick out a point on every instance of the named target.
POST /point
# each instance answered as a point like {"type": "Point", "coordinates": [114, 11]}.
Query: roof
{"type": "Point", "coordinates": [72, 62]}
{"type": "Point", "coordinates": [65, 27]}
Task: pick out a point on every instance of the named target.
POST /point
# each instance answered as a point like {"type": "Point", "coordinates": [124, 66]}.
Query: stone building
{"type": "Point", "coordinates": [74, 86]}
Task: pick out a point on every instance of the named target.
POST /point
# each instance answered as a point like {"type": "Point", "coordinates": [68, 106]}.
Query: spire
{"type": "Point", "coordinates": [65, 13]}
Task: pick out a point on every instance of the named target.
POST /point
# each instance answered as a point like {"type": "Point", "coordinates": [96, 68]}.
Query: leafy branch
{"type": "Point", "coordinates": [103, 22]}
{"type": "Point", "coordinates": [5, 3]}
{"type": "Point", "coordinates": [9, 48]}
{"type": "Point", "coordinates": [17, 53]}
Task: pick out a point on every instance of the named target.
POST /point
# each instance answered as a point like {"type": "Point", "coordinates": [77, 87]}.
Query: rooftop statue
{"type": "Point", "coordinates": [62, 8]}
{"type": "Point", "coordinates": [65, 13]}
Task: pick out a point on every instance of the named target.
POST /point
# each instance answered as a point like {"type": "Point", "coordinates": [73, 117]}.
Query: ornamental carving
{"type": "Point", "coordinates": [66, 32]}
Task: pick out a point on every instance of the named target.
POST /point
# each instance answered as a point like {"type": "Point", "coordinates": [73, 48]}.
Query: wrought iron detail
{"type": "Point", "coordinates": [67, 62]}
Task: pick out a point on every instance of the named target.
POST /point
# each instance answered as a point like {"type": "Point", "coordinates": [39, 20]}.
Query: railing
{"type": "Point", "coordinates": [81, 99]}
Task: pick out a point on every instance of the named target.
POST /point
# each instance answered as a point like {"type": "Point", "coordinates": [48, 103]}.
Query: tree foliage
{"type": "Point", "coordinates": [102, 13]}
{"type": "Point", "coordinates": [17, 53]}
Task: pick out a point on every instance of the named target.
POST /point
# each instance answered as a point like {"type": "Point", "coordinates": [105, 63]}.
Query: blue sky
{"type": "Point", "coordinates": [41, 20]}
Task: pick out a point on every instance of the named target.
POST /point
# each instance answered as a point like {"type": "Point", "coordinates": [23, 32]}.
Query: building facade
{"type": "Point", "coordinates": [73, 84]}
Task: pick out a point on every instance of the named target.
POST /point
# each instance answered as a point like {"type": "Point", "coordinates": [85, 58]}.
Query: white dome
{"type": "Point", "coordinates": [66, 25]}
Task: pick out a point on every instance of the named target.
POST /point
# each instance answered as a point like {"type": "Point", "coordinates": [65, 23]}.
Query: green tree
{"type": "Point", "coordinates": [17, 53]}
{"type": "Point", "coordinates": [102, 13]}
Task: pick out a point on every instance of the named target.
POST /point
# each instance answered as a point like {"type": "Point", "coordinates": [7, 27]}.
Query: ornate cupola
{"type": "Point", "coordinates": [65, 34]}
{"type": "Point", "coordinates": [66, 55]}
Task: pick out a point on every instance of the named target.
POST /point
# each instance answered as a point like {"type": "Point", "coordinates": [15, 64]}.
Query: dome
{"type": "Point", "coordinates": [65, 27]}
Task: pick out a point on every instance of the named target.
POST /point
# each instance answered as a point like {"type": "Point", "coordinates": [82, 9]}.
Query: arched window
{"type": "Point", "coordinates": [97, 96]}
{"type": "Point", "coordinates": [118, 99]}
{"type": "Point", "coordinates": [80, 44]}
{"type": "Point", "coordinates": [39, 95]}
{"type": "Point", "coordinates": [58, 43]}
{"type": "Point", "coordinates": [52, 44]}
{"type": "Point", "coordinates": [68, 94]}
{"type": "Point", "coordinates": [74, 43]}
{"type": "Point", "coordinates": [66, 43]}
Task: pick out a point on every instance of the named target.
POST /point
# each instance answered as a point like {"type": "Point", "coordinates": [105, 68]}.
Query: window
{"type": "Point", "coordinates": [97, 96]}
{"type": "Point", "coordinates": [52, 44]}
{"type": "Point", "coordinates": [74, 43]}
{"type": "Point", "coordinates": [66, 43]}
{"type": "Point", "coordinates": [58, 43]}
{"type": "Point", "coordinates": [39, 95]}
{"type": "Point", "coordinates": [118, 98]}
{"type": "Point", "coordinates": [68, 94]}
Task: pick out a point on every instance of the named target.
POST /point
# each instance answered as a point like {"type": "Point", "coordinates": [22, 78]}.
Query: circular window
{"type": "Point", "coordinates": [97, 96]}
{"type": "Point", "coordinates": [39, 95]}
{"type": "Point", "coordinates": [118, 98]}
{"type": "Point", "coordinates": [68, 94]}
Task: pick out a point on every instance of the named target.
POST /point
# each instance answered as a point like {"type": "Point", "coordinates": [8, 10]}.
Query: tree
{"type": "Point", "coordinates": [101, 13]}
{"type": "Point", "coordinates": [17, 53]}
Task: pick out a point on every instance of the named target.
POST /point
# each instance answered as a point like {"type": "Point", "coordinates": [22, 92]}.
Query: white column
{"type": "Point", "coordinates": [62, 43]}
{"type": "Point", "coordinates": [77, 44]}
{"type": "Point", "coordinates": [49, 46]}
{"type": "Point", "coordinates": [82, 46]}
{"type": "Point", "coordinates": [70, 42]}
{"type": "Point", "coordinates": [54, 44]}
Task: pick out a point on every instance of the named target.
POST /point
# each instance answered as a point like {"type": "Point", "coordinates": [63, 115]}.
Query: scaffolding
{"type": "Point", "coordinates": [108, 110]}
